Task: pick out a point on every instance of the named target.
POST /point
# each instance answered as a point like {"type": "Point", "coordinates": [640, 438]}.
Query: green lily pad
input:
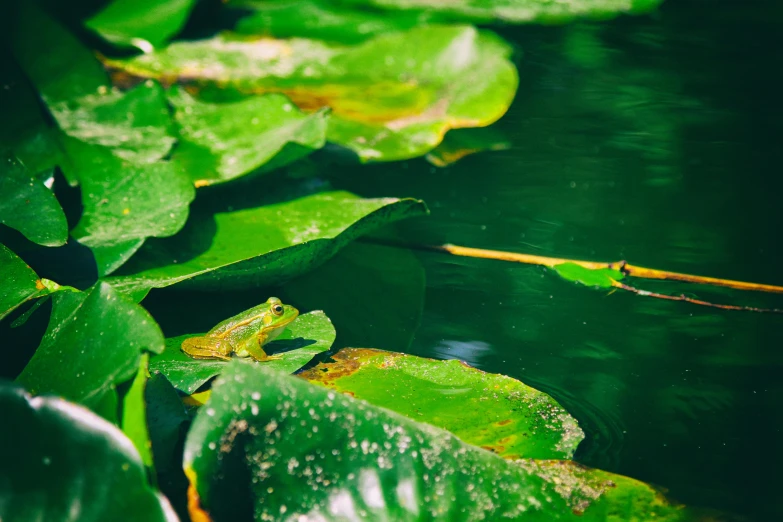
{"type": "Point", "coordinates": [309, 335]}
{"type": "Point", "coordinates": [29, 207]}
{"type": "Point", "coordinates": [495, 412]}
{"type": "Point", "coordinates": [125, 203]}
{"type": "Point", "coordinates": [392, 279]}
{"type": "Point", "coordinates": [321, 20]}
{"type": "Point", "coordinates": [62, 462]}
{"type": "Point", "coordinates": [133, 420]}
{"type": "Point", "coordinates": [601, 277]}
{"type": "Point", "coordinates": [514, 11]}
{"type": "Point", "coordinates": [20, 283]}
{"type": "Point", "coordinates": [276, 233]}
{"type": "Point", "coordinates": [266, 444]}
{"type": "Point", "coordinates": [135, 125]}
{"type": "Point", "coordinates": [223, 141]}
{"type": "Point", "coordinates": [93, 342]}
{"type": "Point", "coordinates": [144, 24]}
{"type": "Point", "coordinates": [392, 97]}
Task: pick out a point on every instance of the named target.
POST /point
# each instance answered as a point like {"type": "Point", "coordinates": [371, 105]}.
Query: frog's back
{"type": "Point", "coordinates": [239, 321]}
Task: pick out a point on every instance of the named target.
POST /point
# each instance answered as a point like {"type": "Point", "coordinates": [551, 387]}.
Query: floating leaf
{"type": "Point", "coordinates": [392, 97]}
{"type": "Point", "coordinates": [134, 413]}
{"type": "Point", "coordinates": [144, 24]}
{"type": "Point", "coordinates": [495, 412]}
{"type": "Point", "coordinates": [267, 444]}
{"type": "Point", "coordinates": [321, 20]}
{"type": "Point", "coordinates": [390, 278]}
{"type": "Point", "coordinates": [124, 203]}
{"type": "Point", "coordinates": [601, 277]}
{"type": "Point", "coordinates": [135, 125]}
{"type": "Point", "coordinates": [93, 342]}
{"type": "Point", "coordinates": [514, 11]}
{"type": "Point", "coordinates": [19, 282]}
{"type": "Point", "coordinates": [222, 141]}
{"type": "Point", "coordinates": [463, 142]}
{"type": "Point", "coordinates": [29, 207]}
{"type": "Point", "coordinates": [309, 335]}
{"type": "Point", "coordinates": [63, 462]}
{"type": "Point", "coordinates": [282, 233]}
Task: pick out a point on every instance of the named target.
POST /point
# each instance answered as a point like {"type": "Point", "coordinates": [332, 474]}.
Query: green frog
{"type": "Point", "coordinates": [244, 334]}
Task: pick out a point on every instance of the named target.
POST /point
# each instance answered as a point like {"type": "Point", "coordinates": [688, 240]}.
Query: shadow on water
{"type": "Point", "coordinates": [651, 139]}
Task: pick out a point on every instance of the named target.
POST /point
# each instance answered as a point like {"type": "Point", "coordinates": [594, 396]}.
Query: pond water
{"type": "Point", "coordinates": [655, 140]}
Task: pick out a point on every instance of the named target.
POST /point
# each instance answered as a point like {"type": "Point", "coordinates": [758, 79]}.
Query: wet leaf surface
{"type": "Point", "coordinates": [62, 462]}
{"type": "Point", "coordinates": [223, 141]}
{"type": "Point", "coordinates": [142, 24]}
{"type": "Point", "coordinates": [28, 206]}
{"type": "Point", "coordinates": [19, 282]}
{"type": "Point", "coordinates": [601, 278]}
{"type": "Point", "coordinates": [93, 342]}
{"type": "Point", "coordinates": [392, 97]}
{"type": "Point", "coordinates": [514, 11]}
{"type": "Point", "coordinates": [309, 335]}
{"type": "Point", "coordinates": [492, 411]}
{"type": "Point", "coordinates": [133, 420]}
{"type": "Point", "coordinates": [271, 234]}
{"type": "Point", "coordinates": [304, 451]}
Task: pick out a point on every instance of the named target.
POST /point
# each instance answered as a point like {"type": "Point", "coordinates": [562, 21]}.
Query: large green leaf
{"type": "Point", "coordinates": [62, 462]}
{"type": "Point", "coordinates": [143, 24]}
{"type": "Point", "coordinates": [165, 418]}
{"type": "Point", "coordinates": [392, 97]}
{"type": "Point", "coordinates": [514, 11]}
{"type": "Point", "coordinates": [321, 20]}
{"type": "Point", "coordinates": [18, 282]}
{"type": "Point", "coordinates": [493, 411]}
{"type": "Point", "coordinates": [276, 233]}
{"type": "Point", "coordinates": [124, 203]}
{"type": "Point", "coordinates": [222, 141]}
{"type": "Point", "coordinates": [28, 206]}
{"type": "Point", "coordinates": [392, 279]}
{"type": "Point", "coordinates": [135, 125]}
{"type": "Point", "coordinates": [267, 446]}
{"type": "Point", "coordinates": [309, 335]}
{"type": "Point", "coordinates": [93, 342]}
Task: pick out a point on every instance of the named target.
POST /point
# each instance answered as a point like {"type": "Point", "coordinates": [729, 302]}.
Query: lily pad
{"type": "Point", "coordinates": [309, 335]}
{"type": "Point", "coordinates": [514, 11]}
{"type": "Point", "coordinates": [20, 283]}
{"type": "Point", "coordinates": [392, 97]}
{"type": "Point", "coordinates": [93, 342]}
{"type": "Point", "coordinates": [267, 444]}
{"type": "Point", "coordinates": [282, 232]}
{"type": "Point", "coordinates": [144, 24]}
{"type": "Point", "coordinates": [495, 412]}
{"type": "Point", "coordinates": [601, 278]}
{"type": "Point", "coordinates": [29, 207]}
{"type": "Point", "coordinates": [125, 203]}
{"type": "Point", "coordinates": [322, 20]}
{"type": "Point", "coordinates": [222, 141]}
{"type": "Point", "coordinates": [62, 462]}
{"type": "Point", "coordinates": [390, 278]}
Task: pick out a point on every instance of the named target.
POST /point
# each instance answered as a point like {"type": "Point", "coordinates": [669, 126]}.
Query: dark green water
{"type": "Point", "coordinates": [656, 140]}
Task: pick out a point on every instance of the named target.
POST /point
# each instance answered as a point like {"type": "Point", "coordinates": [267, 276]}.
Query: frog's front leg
{"type": "Point", "coordinates": [207, 348]}
{"type": "Point", "coordinates": [257, 352]}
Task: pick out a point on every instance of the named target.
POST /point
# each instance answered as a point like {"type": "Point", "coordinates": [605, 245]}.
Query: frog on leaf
{"type": "Point", "coordinates": [245, 334]}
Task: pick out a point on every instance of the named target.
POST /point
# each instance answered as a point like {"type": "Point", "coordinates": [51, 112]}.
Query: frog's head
{"type": "Point", "coordinates": [278, 317]}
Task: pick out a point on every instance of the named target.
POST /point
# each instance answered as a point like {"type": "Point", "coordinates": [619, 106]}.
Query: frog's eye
{"type": "Point", "coordinates": [277, 309]}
